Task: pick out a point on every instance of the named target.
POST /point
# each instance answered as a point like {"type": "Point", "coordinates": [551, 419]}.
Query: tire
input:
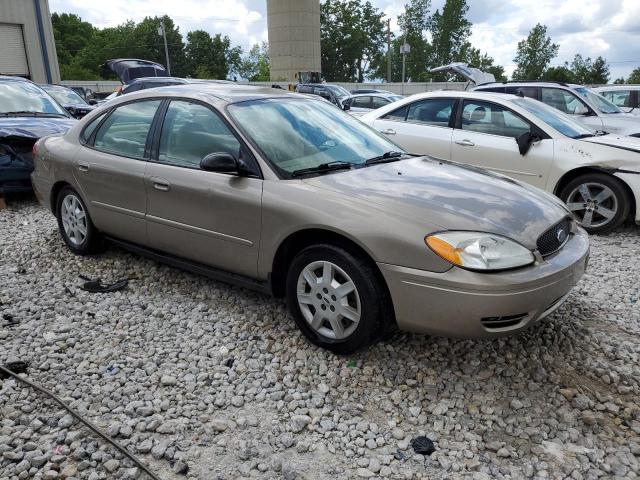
{"type": "Point", "coordinates": [599, 201]}
{"type": "Point", "coordinates": [342, 320]}
{"type": "Point", "coordinates": [75, 225]}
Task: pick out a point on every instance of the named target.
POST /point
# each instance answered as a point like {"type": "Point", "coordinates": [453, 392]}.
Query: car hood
{"type": "Point", "coordinates": [33, 127]}
{"type": "Point", "coordinates": [446, 196]}
{"type": "Point", "coordinates": [472, 74]}
{"type": "Point", "coordinates": [617, 141]}
{"type": "Point", "coordinates": [622, 123]}
{"type": "Point", "coordinates": [127, 69]}
{"type": "Point", "coordinates": [79, 106]}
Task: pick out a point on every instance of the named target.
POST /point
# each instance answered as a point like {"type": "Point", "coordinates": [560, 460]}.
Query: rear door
{"type": "Point", "coordinates": [485, 137]}
{"type": "Point", "coordinates": [423, 127]}
{"type": "Point", "coordinates": [211, 218]}
{"type": "Point", "coordinates": [110, 169]}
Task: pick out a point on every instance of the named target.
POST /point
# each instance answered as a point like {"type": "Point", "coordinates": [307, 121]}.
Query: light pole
{"type": "Point", "coordinates": [162, 31]}
{"type": "Point", "coordinates": [404, 49]}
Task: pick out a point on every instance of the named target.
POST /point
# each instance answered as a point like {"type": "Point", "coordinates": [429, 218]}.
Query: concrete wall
{"type": "Point", "coordinates": [37, 41]}
{"type": "Point", "coordinates": [294, 38]}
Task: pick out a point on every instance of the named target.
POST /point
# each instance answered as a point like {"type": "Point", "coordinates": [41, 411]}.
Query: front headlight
{"type": "Point", "coordinates": [479, 251]}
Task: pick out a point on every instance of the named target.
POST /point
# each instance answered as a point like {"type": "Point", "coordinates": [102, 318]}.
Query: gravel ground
{"type": "Point", "coordinates": [204, 380]}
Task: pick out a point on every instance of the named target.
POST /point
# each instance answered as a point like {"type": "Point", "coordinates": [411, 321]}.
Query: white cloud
{"type": "Point", "coordinates": [610, 28]}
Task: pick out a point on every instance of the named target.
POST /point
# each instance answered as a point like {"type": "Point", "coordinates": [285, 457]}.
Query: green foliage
{"type": "Point", "coordinates": [586, 71]}
{"type": "Point", "coordinates": [634, 77]}
{"type": "Point", "coordinates": [352, 37]}
{"type": "Point", "coordinates": [450, 31]}
{"type": "Point", "coordinates": [534, 54]}
{"type": "Point", "coordinates": [255, 65]}
{"type": "Point", "coordinates": [559, 74]}
{"type": "Point", "coordinates": [619, 81]}
{"type": "Point", "coordinates": [476, 58]}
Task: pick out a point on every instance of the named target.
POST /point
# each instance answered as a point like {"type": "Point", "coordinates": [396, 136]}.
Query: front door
{"type": "Point", "coordinates": [487, 138]}
{"type": "Point", "coordinates": [423, 127]}
{"type": "Point", "coordinates": [110, 170]}
{"type": "Point", "coordinates": [208, 217]}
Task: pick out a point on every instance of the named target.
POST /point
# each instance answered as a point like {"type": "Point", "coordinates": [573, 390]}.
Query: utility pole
{"type": "Point", "coordinates": [404, 49]}
{"type": "Point", "coordinates": [163, 32]}
{"type": "Point", "coordinates": [388, 50]}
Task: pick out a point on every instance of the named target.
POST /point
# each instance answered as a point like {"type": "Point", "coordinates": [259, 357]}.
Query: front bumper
{"type": "Point", "coordinates": [461, 303]}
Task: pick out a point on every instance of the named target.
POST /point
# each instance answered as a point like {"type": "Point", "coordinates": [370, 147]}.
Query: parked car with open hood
{"type": "Point", "coordinates": [128, 69]}
{"type": "Point", "coordinates": [289, 195]}
{"type": "Point", "coordinates": [27, 113]}
{"type": "Point", "coordinates": [69, 99]}
{"type": "Point", "coordinates": [597, 175]}
{"type": "Point", "coordinates": [625, 97]}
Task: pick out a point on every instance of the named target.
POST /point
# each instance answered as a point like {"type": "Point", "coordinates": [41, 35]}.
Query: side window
{"type": "Point", "coordinates": [436, 111]}
{"type": "Point", "coordinates": [620, 98]}
{"type": "Point", "coordinates": [530, 92]}
{"type": "Point", "coordinates": [562, 100]}
{"type": "Point", "coordinates": [89, 129]}
{"type": "Point", "coordinates": [190, 132]}
{"type": "Point", "coordinates": [493, 89]}
{"type": "Point", "coordinates": [378, 102]}
{"type": "Point", "coordinates": [361, 102]}
{"type": "Point", "coordinates": [484, 117]}
{"type": "Point", "coordinates": [398, 114]}
{"type": "Point", "coordinates": [125, 131]}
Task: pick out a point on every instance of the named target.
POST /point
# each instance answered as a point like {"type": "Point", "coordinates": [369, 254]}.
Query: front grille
{"type": "Point", "coordinates": [505, 321]}
{"type": "Point", "coordinates": [554, 238]}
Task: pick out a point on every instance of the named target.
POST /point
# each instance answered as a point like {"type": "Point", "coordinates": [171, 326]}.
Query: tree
{"type": "Point", "coordinates": [352, 35]}
{"type": "Point", "coordinates": [634, 78]}
{"type": "Point", "coordinates": [255, 65]}
{"type": "Point", "coordinates": [619, 81]}
{"type": "Point", "coordinates": [534, 54]}
{"type": "Point", "coordinates": [600, 71]}
{"type": "Point", "coordinates": [450, 31]}
{"type": "Point", "coordinates": [559, 74]}
{"type": "Point", "coordinates": [210, 57]}
{"type": "Point", "coordinates": [484, 62]}
{"type": "Point", "coordinates": [587, 71]}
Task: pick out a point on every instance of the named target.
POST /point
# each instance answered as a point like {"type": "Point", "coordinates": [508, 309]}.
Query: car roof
{"type": "Point", "coordinates": [376, 94]}
{"type": "Point", "coordinates": [10, 78]}
{"type": "Point", "coordinates": [229, 93]}
{"type": "Point", "coordinates": [607, 88]}
{"type": "Point", "coordinates": [536, 83]}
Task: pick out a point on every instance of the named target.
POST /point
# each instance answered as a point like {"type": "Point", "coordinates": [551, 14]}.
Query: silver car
{"type": "Point", "coordinates": [291, 196]}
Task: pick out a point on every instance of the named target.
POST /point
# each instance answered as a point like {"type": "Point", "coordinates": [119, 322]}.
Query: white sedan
{"type": "Point", "coordinates": [596, 175]}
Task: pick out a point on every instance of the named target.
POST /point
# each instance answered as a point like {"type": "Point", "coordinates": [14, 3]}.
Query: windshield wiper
{"type": "Point", "coordinates": [35, 114]}
{"type": "Point", "coordinates": [584, 135]}
{"type": "Point", "coordinates": [386, 157]}
{"type": "Point", "coordinates": [323, 168]}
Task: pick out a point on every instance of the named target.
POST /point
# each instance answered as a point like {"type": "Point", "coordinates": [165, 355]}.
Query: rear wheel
{"type": "Point", "coordinates": [74, 223]}
{"type": "Point", "coordinates": [336, 298]}
{"type": "Point", "coordinates": [599, 201]}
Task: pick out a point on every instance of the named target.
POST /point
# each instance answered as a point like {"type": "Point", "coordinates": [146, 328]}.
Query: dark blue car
{"type": "Point", "coordinates": [27, 113]}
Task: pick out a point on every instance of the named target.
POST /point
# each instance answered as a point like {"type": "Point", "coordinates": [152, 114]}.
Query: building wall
{"type": "Point", "coordinates": [24, 12]}
{"type": "Point", "coordinates": [294, 38]}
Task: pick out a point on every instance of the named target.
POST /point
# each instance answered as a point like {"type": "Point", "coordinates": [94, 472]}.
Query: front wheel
{"type": "Point", "coordinates": [74, 223]}
{"type": "Point", "coordinates": [599, 201]}
{"type": "Point", "coordinates": [336, 298]}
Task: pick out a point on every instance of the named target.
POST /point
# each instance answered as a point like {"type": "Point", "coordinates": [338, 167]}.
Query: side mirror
{"type": "Point", "coordinates": [221, 162]}
{"type": "Point", "coordinates": [581, 110]}
{"type": "Point", "coordinates": [93, 101]}
{"type": "Point", "coordinates": [346, 105]}
{"type": "Point", "coordinates": [525, 141]}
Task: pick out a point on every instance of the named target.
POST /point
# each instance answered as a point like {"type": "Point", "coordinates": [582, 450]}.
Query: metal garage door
{"type": "Point", "coordinates": [13, 58]}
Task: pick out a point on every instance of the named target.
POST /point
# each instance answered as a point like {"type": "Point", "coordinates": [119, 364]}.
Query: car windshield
{"type": "Point", "coordinates": [65, 96]}
{"type": "Point", "coordinates": [27, 97]}
{"type": "Point", "coordinates": [395, 98]}
{"type": "Point", "coordinates": [295, 134]}
{"type": "Point", "coordinates": [338, 91]}
{"type": "Point", "coordinates": [555, 118]}
{"type": "Point", "coordinates": [598, 101]}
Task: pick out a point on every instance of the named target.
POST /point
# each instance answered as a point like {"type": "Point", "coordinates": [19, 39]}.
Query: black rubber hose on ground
{"type": "Point", "coordinates": [77, 415]}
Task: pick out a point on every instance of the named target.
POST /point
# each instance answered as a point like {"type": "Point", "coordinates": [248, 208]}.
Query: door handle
{"type": "Point", "coordinates": [161, 184]}
{"type": "Point", "coordinates": [83, 167]}
{"type": "Point", "coordinates": [388, 131]}
{"type": "Point", "coordinates": [465, 143]}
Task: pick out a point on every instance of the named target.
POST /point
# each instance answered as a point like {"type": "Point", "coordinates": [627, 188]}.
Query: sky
{"type": "Point", "coordinates": [610, 28]}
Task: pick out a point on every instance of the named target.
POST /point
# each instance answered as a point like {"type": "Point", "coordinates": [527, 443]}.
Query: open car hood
{"type": "Point", "coordinates": [128, 69]}
{"type": "Point", "coordinates": [472, 74]}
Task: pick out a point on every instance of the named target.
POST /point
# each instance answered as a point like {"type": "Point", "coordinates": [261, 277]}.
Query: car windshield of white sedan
{"type": "Point", "coordinates": [299, 134]}
{"type": "Point", "coordinates": [27, 98]}
{"type": "Point", "coordinates": [561, 122]}
{"type": "Point", "coordinates": [598, 101]}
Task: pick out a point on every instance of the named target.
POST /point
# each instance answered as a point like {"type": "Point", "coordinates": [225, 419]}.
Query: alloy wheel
{"type": "Point", "coordinates": [329, 300]}
{"type": "Point", "coordinates": [593, 204]}
{"type": "Point", "coordinates": [74, 219]}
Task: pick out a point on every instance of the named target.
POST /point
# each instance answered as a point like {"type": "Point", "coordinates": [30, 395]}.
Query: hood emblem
{"type": "Point", "coordinates": [561, 235]}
